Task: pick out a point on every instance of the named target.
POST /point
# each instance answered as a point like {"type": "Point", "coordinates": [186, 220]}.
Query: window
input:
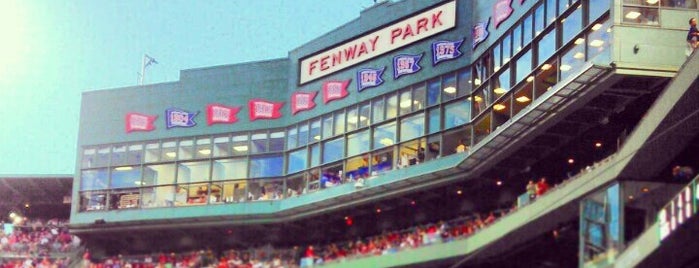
{"type": "Point", "coordinates": [550, 11]}
{"type": "Point", "coordinates": [433, 90]}
{"type": "Point", "coordinates": [392, 107]}
{"type": "Point", "coordinates": [640, 13]}
{"type": "Point", "coordinates": [419, 92]}
{"type": "Point", "coordinates": [315, 155]}
{"type": "Point", "coordinates": [479, 103]}
{"type": "Point", "coordinates": [189, 172]}
{"type": "Point", "coordinates": [203, 149]}
{"type": "Point", "coordinates": [501, 111]}
{"type": "Point", "coordinates": [95, 179]}
{"type": "Point", "coordinates": [339, 122]}
{"type": "Point", "coordinates": [240, 145]}
{"type": "Point", "coordinates": [152, 152]}
{"type": "Point", "coordinates": [266, 166]}
{"type": "Point", "coordinates": [497, 56]}
{"type": "Point", "coordinates": [298, 160]}
{"type": "Point", "coordinates": [118, 155]}
{"type": "Point", "coordinates": [434, 120]}
{"type": "Point", "coordinates": [481, 129]}
{"type": "Point", "coordinates": [412, 127]}
{"type": "Point", "coordinates": [457, 114]}
{"type": "Point", "coordinates": [572, 59]}
{"type": "Point", "coordinates": [378, 113]}
{"type": "Point", "coordinates": [259, 142]}
{"type": "Point", "coordinates": [229, 169]}
{"type": "Point", "coordinates": [524, 66]}
{"type": "Point", "coordinates": [406, 101]}
{"type": "Point", "coordinates": [168, 151]}
{"type": "Point", "coordinates": [523, 96]}
{"type": "Point", "coordinates": [516, 39]}
{"type": "Point", "coordinates": [364, 115]}
{"type": "Point", "coordinates": [333, 150]}
{"type": "Point", "coordinates": [358, 143]}
{"type": "Point", "coordinates": [599, 39]}
{"type": "Point", "coordinates": [539, 20]}
{"type": "Point", "coordinates": [352, 119]}
{"type": "Point", "coordinates": [385, 135]}
{"type": "Point", "coordinates": [464, 84]}
{"type": "Point", "coordinates": [571, 25]}
{"type": "Point", "coordinates": [501, 84]}
{"type": "Point", "coordinates": [186, 149]}
{"type": "Point", "coordinates": [304, 133]}
{"type": "Point", "coordinates": [293, 134]}
{"type": "Point", "coordinates": [159, 174]}
{"type": "Point", "coordinates": [102, 159]}
{"type": "Point", "coordinates": [506, 49]}
{"type": "Point", "coordinates": [276, 141]}
{"type": "Point", "coordinates": [547, 46]}
{"type": "Point", "coordinates": [327, 126]}
{"type": "Point", "coordinates": [449, 87]}
{"type": "Point", "coordinates": [89, 157]}
{"type": "Point", "coordinates": [222, 146]}
{"type": "Point", "coordinates": [546, 78]}
{"type": "Point", "coordinates": [125, 177]}
{"type": "Point", "coordinates": [527, 27]}
{"type": "Point", "coordinates": [597, 8]}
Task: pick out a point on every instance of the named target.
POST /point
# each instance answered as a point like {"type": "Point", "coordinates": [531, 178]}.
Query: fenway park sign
{"type": "Point", "coordinates": [396, 35]}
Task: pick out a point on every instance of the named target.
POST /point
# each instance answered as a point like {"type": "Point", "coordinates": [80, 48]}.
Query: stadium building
{"type": "Point", "coordinates": [415, 113]}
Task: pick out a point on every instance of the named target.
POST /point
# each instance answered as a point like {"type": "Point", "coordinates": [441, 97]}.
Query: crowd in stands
{"type": "Point", "coordinates": [37, 243]}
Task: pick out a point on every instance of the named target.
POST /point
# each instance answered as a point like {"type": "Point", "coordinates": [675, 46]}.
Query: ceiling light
{"type": "Point", "coordinates": [412, 202]}
{"type": "Point", "coordinates": [352, 118]}
{"type": "Point", "coordinates": [498, 183]}
{"type": "Point", "coordinates": [579, 41]}
{"type": "Point", "coordinates": [632, 15]}
{"type": "Point", "coordinates": [123, 168]}
{"type": "Point", "coordinates": [458, 192]}
{"type": "Point", "coordinates": [645, 189]}
{"type": "Point", "coordinates": [505, 60]}
{"type": "Point", "coordinates": [571, 161]}
{"type": "Point", "coordinates": [139, 183]}
{"type": "Point", "coordinates": [450, 90]}
{"type": "Point", "coordinates": [530, 78]}
{"type": "Point", "coordinates": [565, 67]}
{"type": "Point", "coordinates": [522, 99]}
{"type": "Point", "coordinates": [171, 154]}
{"type": "Point", "coordinates": [652, 2]}
{"type": "Point", "coordinates": [405, 104]}
{"type": "Point", "coordinates": [499, 90]}
{"type": "Point", "coordinates": [499, 107]}
{"type": "Point", "coordinates": [598, 144]}
{"type": "Point", "coordinates": [478, 98]}
{"type": "Point", "coordinates": [545, 67]}
{"type": "Point", "coordinates": [316, 137]}
{"type": "Point", "coordinates": [496, 68]}
{"type": "Point", "coordinates": [596, 43]}
{"type": "Point", "coordinates": [630, 197]}
{"type": "Point", "coordinates": [205, 151]}
{"type": "Point", "coordinates": [362, 118]}
{"type": "Point", "coordinates": [477, 82]}
{"type": "Point", "coordinates": [579, 55]}
{"type": "Point", "coordinates": [596, 27]}
{"type": "Point", "coordinates": [378, 210]}
{"type": "Point", "coordinates": [241, 148]}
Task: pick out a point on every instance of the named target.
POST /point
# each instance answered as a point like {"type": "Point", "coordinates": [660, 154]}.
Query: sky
{"type": "Point", "coordinates": [52, 51]}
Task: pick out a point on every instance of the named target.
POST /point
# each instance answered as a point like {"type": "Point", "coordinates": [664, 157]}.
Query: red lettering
{"type": "Point", "coordinates": [422, 24]}
{"type": "Point", "coordinates": [324, 63]}
{"type": "Point", "coordinates": [362, 50]}
{"type": "Point", "coordinates": [395, 33]}
{"type": "Point", "coordinates": [436, 19]}
{"type": "Point", "coordinates": [337, 58]}
{"type": "Point", "coordinates": [349, 52]}
{"type": "Point", "coordinates": [373, 43]}
{"type": "Point", "coordinates": [408, 31]}
{"type": "Point", "coordinates": [312, 66]}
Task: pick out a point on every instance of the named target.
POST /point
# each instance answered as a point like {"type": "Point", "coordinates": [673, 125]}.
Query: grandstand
{"type": "Point", "coordinates": [422, 167]}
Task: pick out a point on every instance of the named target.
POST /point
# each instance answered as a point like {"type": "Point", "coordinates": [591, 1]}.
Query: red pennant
{"type": "Point", "coordinates": [302, 101]}
{"type": "Point", "coordinates": [139, 122]}
{"type": "Point", "coordinates": [262, 109]}
{"type": "Point", "coordinates": [335, 90]}
{"type": "Point", "coordinates": [221, 114]}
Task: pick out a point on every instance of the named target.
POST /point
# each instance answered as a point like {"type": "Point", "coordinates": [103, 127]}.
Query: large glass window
{"type": "Point", "coordinates": [599, 39]}
{"type": "Point", "coordinates": [433, 90]}
{"type": "Point", "coordinates": [464, 83]}
{"type": "Point", "coordinates": [89, 156]}
{"type": "Point", "coordinates": [457, 114]}
{"type": "Point", "coordinates": [304, 133]}
{"type": "Point", "coordinates": [222, 146]}
{"type": "Point", "coordinates": [527, 28]}
{"type": "Point", "coordinates": [516, 39]}
{"type": "Point", "coordinates": [481, 129]}
{"type": "Point", "coordinates": [186, 149]}
{"type": "Point", "coordinates": [412, 127]}
{"type": "Point", "coordinates": [434, 120]}
{"type": "Point", "coordinates": [479, 103]}
{"type": "Point", "coordinates": [102, 159]}
{"type": "Point", "coordinates": [119, 155]}
{"type": "Point", "coordinates": [339, 122]}
{"type": "Point", "coordinates": [384, 135]}
{"type": "Point", "coordinates": [203, 148]}
{"type": "Point", "coordinates": [315, 155]}
{"type": "Point", "coordinates": [352, 119]}
{"type": "Point", "coordinates": [501, 84]}
{"type": "Point", "coordinates": [524, 66]}
{"type": "Point", "coordinates": [276, 141]}
{"type": "Point", "coordinates": [327, 126]}
{"type": "Point", "coordinates": [406, 101]}
{"type": "Point", "coordinates": [135, 154]}
{"type": "Point", "coordinates": [314, 133]}
{"type": "Point", "coordinates": [523, 96]}
{"type": "Point", "coordinates": [259, 142]}
{"type": "Point", "coordinates": [358, 143]}
{"type": "Point", "coordinates": [189, 172]}
{"type": "Point", "coordinates": [364, 115]}
{"type": "Point", "coordinates": [168, 151]}
{"type": "Point", "coordinates": [547, 46]}
{"type": "Point", "coordinates": [539, 20]}
{"type": "Point", "coordinates": [392, 107]}
{"type": "Point", "coordinates": [95, 179]}
{"type": "Point", "coordinates": [333, 150]}
{"type": "Point", "coordinates": [449, 86]}
{"type": "Point", "coordinates": [597, 8]}
{"type": "Point", "coordinates": [126, 177]}
{"type": "Point", "coordinates": [497, 56]}
{"type": "Point", "coordinates": [159, 174]}
{"type": "Point", "coordinates": [229, 169]}
{"type": "Point", "coordinates": [298, 160]}
{"type": "Point", "coordinates": [546, 78]}
{"type": "Point", "coordinates": [266, 166]}
{"type": "Point", "coordinates": [571, 25]}
{"type": "Point", "coordinates": [501, 111]}
{"type": "Point", "coordinates": [292, 134]}
{"type": "Point", "coordinates": [550, 11]}
{"type": "Point", "coordinates": [152, 152]}
{"type": "Point", "coordinates": [240, 145]}
{"type": "Point", "coordinates": [640, 15]}
{"type": "Point", "coordinates": [572, 59]}
{"type": "Point", "coordinates": [379, 112]}
{"type": "Point", "coordinates": [506, 48]}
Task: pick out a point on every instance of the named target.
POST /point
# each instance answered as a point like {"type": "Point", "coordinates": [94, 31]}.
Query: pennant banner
{"type": "Point", "coordinates": [445, 50]}
{"type": "Point", "coordinates": [221, 114]}
{"type": "Point", "coordinates": [501, 11]}
{"type": "Point", "coordinates": [262, 109]}
{"type": "Point", "coordinates": [368, 77]}
{"type": "Point", "coordinates": [179, 118]}
{"type": "Point", "coordinates": [335, 90]}
{"type": "Point", "coordinates": [139, 122]}
{"type": "Point", "coordinates": [406, 64]}
{"type": "Point", "coordinates": [302, 101]}
{"type": "Point", "coordinates": [480, 32]}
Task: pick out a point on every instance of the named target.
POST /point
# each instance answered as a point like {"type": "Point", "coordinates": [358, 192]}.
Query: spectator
{"type": "Point", "coordinates": [531, 190]}
{"type": "Point", "coordinates": [693, 34]}
{"type": "Point", "coordinates": [682, 173]}
{"type": "Point", "coordinates": [461, 147]}
{"type": "Point", "coordinates": [541, 187]}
